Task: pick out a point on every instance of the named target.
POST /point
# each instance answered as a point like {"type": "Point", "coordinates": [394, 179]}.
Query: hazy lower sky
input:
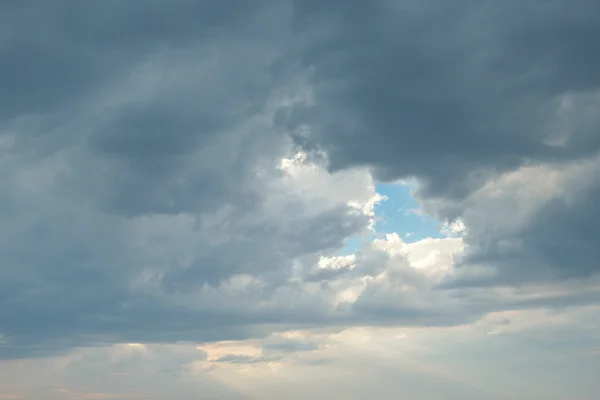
{"type": "Point", "coordinates": [299, 199]}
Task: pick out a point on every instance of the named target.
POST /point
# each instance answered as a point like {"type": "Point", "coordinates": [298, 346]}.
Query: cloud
{"type": "Point", "coordinates": [462, 97]}
{"type": "Point", "coordinates": [10, 396]}
{"type": "Point", "coordinates": [462, 361]}
{"type": "Point", "coordinates": [447, 94]}
{"type": "Point", "coordinates": [141, 165]}
{"type": "Point", "coordinates": [190, 171]}
{"type": "Point", "coordinates": [533, 224]}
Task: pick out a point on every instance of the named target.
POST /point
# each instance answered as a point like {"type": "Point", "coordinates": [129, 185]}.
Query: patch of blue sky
{"type": "Point", "coordinates": [400, 214]}
{"type": "Point", "coordinates": [351, 245]}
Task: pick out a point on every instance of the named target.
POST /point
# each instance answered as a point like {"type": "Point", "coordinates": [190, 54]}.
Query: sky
{"type": "Point", "coordinates": [299, 199]}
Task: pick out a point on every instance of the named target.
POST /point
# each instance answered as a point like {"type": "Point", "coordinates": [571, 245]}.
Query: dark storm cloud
{"type": "Point", "coordinates": [53, 54]}
{"type": "Point", "coordinates": [444, 91]}
{"type": "Point", "coordinates": [453, 93]}
{"type": "Point", "coordinates": [565, 235]}
{"type": "Point", "coordinates": [69, 75]}
{"type": "Point", "coordinates": [112, 113]}
{"type": "Point", "coordinates": [136, 142]}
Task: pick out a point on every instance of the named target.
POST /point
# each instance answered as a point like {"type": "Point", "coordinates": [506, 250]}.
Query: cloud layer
{"type": "Point", "coordinates": [192, 171]}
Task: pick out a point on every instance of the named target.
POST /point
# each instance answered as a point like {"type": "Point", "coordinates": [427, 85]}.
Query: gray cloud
{"type": "Point", "coordinates": [136, 143]}
{"type": "Point", "coordinates": [454, 95]}
{"type": "Point", "coordinates": [141, 199]}
{"type": "Point", "coordinates": [537, 224]}
{"type": "Point", "coordinates": [444, 92]}
{"type": "Point", "coordinates": [55, 54]}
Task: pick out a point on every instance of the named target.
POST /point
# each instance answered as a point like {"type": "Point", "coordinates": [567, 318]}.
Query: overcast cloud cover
{"type": "Point", "coordinates": [180, 180]}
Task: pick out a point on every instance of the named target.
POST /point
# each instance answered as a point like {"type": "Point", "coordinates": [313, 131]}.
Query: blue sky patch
{"type": "Point", "coordinates": [400, 214]}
